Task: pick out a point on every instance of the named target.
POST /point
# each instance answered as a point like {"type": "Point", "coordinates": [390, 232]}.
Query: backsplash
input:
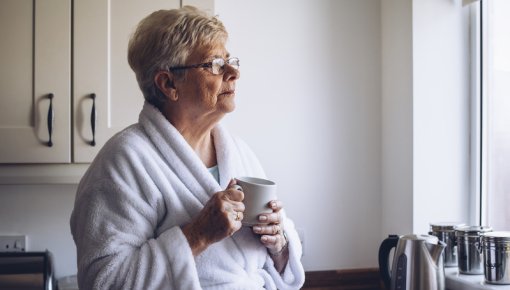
{"type": "Point", "coordinates": [41, 212]}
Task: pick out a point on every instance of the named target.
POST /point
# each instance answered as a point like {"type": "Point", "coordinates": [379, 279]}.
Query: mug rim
{"type": "Point", "coordinates": [255, 180]}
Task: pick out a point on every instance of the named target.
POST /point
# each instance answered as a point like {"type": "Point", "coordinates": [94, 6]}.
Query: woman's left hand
{"type": "Point", "coordinates": [271, 228]}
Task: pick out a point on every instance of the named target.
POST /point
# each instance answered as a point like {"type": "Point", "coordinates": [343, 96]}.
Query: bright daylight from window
{"type": "Point", "coordinates": [498, 113]}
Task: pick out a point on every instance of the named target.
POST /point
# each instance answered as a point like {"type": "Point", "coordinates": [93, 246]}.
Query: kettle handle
{"type": "Point", "coordinates": [384, 254]}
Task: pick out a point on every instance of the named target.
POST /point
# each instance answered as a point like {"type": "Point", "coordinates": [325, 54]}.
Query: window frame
{"type": "Point", "coordinates": [481, 81]}
{"type": "Point", "coordinates": [478, 133]}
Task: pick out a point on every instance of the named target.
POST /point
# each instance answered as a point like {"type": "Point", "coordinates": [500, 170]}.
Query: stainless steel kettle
{"type": "Point", "coordinates": [417, 262]}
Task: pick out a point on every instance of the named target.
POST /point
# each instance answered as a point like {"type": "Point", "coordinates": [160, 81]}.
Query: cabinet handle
{"type": "Point", "coordinates": [93, 119]}
{"type": "Point", "coordinates": [51, 116]}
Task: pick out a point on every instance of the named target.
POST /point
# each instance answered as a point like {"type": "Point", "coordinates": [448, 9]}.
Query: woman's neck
{"type": "Point", "coordinates": [198, 134]}
{"type": "Point", "coordinates": [202, 142]}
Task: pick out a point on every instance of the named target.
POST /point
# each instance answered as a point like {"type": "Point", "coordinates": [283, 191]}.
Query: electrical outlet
{"type": "Point", "coordinates": [301, 234]}
{"type": "Point", "coordinates": [13, 243]}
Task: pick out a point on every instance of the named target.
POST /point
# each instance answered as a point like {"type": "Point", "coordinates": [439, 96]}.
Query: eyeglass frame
{"type": "Point", "coordinates": [209, 65]}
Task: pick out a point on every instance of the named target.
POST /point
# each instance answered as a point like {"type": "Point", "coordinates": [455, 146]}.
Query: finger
{"type": "Point", "coordinates": [270, 218]}
{"type": "Point", "coordinates": [237, 206]}
{"type": "Point", "coordinates": [275, 205]}
{"type": "Point", "coordinates": [231, 182]}
{"type": "Point", "coordinates": [236, 222]}
{"type": "Point", "coordinates": [274, 244]}
{"type": "Point", "coordinates": [237, 216]}
{"type": "Point", "coordinates": [234, 194]}
{"type": "Point", "coordinates": [269, 240]}
{"type": "Point", "coordinates": [231, 210]}
{"type": "Point", "coordinates": [273, 229]}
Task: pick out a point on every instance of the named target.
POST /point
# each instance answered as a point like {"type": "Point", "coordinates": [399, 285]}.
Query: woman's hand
{"type": "Point", "coordinates": [220, 218]}
{"type": "Point", "coordinates": [271, 229]}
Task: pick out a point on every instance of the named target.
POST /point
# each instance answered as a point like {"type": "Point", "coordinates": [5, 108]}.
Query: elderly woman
{"type": "Point", "coordinates": [159, 208]}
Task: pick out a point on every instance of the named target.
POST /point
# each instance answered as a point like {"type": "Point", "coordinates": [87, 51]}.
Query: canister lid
{"type": "Point", "coordinates": [496, 240]}
{"type": "Point", "coordinates": [498, 236]}
{"type": "Point", "coordinates": [445, 226]}
{"type": "Point", "coordinates": [473, 229]}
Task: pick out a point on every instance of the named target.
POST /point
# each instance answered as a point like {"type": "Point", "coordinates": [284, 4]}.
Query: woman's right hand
{"type": "Point", "coordinates": [220, 218]}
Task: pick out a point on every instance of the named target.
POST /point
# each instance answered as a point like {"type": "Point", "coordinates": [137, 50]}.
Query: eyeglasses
{"type": "Point", "coordinates": [217, 65]}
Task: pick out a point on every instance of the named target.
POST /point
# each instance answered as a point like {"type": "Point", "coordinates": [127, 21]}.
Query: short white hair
{"type": "Point", "coordinates": [165, 39]}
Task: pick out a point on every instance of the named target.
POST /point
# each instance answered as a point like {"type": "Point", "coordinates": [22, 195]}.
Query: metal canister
{"type": "Point", "coordinates": [469, 248]}
{"type": "Point", "coordinates": [496, 257]}
{"type": "Point", "coordinates": [446, 233]}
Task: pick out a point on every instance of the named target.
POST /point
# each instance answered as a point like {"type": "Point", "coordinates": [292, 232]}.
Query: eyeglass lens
{"type": "Point", "coordinates": [218, 64]}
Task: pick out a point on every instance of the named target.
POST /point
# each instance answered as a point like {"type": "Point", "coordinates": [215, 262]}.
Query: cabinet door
{"type": "Point", "coordinates": [34, 65]}
{"type": "Point", "coordinates": [101, 34]}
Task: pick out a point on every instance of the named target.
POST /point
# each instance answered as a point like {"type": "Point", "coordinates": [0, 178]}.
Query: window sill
{"type": "Point", "coordinates": [456, 281]}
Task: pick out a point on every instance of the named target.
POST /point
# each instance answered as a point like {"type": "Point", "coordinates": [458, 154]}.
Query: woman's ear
{"type": "Point", "coordinates": [164, 82]}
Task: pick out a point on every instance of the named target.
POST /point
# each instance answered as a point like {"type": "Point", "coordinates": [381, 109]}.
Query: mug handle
{"type": "Point", "coordinates": [384, 254]}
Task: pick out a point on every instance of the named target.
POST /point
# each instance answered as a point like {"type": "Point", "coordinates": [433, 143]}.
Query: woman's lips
{"type": "Point", "coordinates": [229, 92]}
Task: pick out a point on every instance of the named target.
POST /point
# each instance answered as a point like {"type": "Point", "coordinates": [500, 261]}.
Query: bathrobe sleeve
{"type": "Point", "coordinates": [117, 246]}
{"type": "Point", "coordinates": [117, 217]}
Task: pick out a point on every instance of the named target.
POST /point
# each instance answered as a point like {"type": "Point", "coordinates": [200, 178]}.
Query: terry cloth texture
{"type": "Point", "coordinates": [144, 184]}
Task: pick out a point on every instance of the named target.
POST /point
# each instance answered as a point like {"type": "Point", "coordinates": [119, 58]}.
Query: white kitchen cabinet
{"type": "Point", "coordinates": [101, 35]}
{"type": "Point", "coordinates": [71, 50]}
{"type": "Point", "coordinates": [44, 53]}
{"type": "Point", "coordinates": [35, 63]}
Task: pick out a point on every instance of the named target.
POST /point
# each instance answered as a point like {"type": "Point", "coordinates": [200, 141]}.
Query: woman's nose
{"type": "Point", "coordinates": [231, 73]}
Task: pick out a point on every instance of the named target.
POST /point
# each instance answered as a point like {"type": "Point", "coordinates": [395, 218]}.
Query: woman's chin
{"type": "Point", "coordinates": [227, 105]}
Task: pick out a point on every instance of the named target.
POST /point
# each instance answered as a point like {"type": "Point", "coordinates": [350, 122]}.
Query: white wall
{"type": "Point", "coordinates": [328, 101]}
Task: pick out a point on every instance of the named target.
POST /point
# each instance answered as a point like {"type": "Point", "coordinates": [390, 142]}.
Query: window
{"type": "Point", "coordinates": [494, 110]}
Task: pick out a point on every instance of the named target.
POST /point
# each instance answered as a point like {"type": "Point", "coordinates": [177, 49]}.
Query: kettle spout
{"type": "Point", "coordinates": [436, 251]}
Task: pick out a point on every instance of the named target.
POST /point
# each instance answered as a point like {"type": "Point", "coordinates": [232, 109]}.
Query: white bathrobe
{"type": "Point", "coordinates": [142, 187]}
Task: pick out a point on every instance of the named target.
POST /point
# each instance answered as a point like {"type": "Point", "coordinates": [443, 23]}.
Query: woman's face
{"type": "Point", "coordinates": [203, 93]}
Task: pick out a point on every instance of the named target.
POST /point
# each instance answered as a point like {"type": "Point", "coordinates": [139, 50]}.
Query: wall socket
{"type": "Point", "coordinates": [13, 243]}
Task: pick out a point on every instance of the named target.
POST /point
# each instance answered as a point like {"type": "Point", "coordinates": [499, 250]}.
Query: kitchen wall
{"type": "Point", "coordinates": [316, 105]}
{"type": "Point", "coordinates": [41, 212]}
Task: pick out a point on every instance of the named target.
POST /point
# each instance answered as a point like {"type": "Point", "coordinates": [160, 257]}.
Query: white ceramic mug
{"type": "Point", "coordinates": [258, 193]}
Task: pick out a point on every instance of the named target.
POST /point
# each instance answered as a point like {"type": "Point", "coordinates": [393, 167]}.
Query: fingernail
{"type": "Point", "coordinates": [262, 218]}
{"type": "Point", "coordinates": [273, 204]}
{"type": "Point", "coordinates": [264, 239]}
{"type": "Point", "coordinates": [257, 229]}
